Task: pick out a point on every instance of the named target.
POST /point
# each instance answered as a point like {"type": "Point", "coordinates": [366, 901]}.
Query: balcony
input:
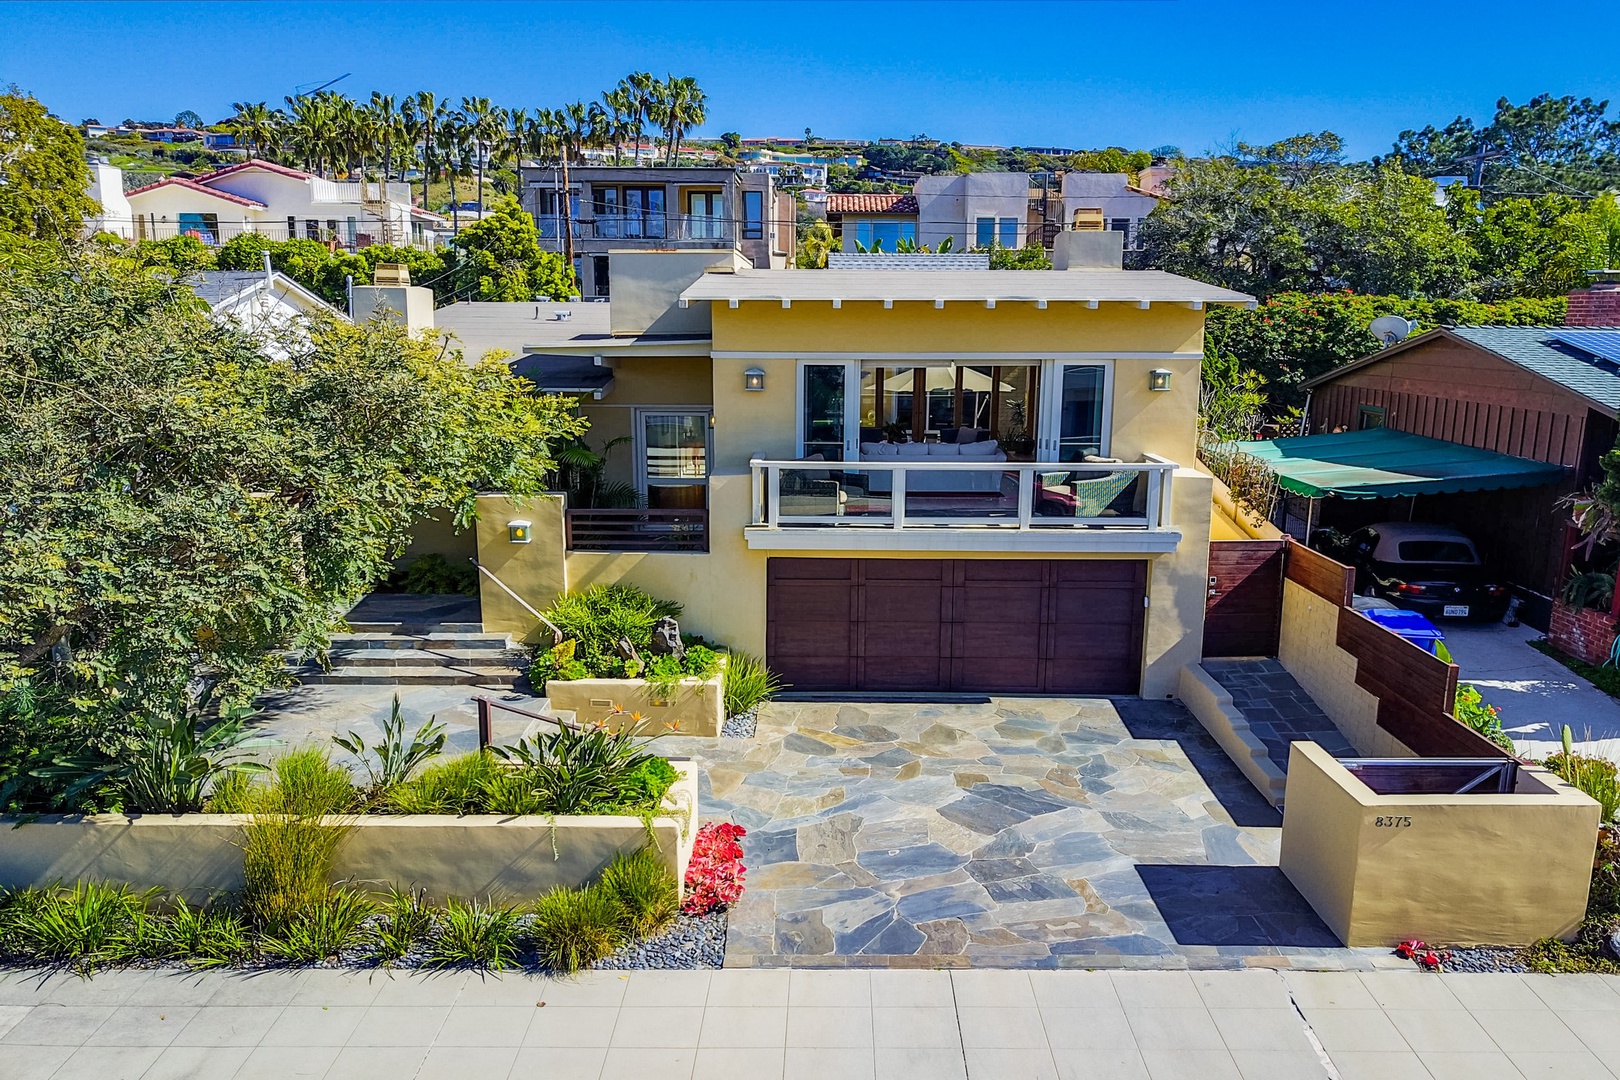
{"type": "Point", "coordinates": [637, 530]}
{"type": "Point", "coordinates": [663, 229]}
{"type": "Point", "coordinates": [1013, 506]}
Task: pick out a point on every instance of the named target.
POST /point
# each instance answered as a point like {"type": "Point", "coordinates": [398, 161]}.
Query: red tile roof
{"type": "Point", "coordinates": [253, 163]}
{"type": "Point", "coordinates": [872, 204]}
{"type": "Point", "coordinates": [192, 185]}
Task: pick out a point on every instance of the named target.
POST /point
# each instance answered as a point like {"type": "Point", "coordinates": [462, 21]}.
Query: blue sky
{"type": "Point", "coordinates": [1191, 73]}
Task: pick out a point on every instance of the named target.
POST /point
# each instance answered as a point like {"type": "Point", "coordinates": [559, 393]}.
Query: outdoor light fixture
{"type": "Point", "coordinates": [1159, 379]}
{"type": "Point", "coordinates": [517, 532]}
{"type": "Point", "coordinates": [754, 379]}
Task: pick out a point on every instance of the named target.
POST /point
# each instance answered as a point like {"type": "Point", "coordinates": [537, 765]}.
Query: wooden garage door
{"type": "Point", "coordinates": [974, 625]}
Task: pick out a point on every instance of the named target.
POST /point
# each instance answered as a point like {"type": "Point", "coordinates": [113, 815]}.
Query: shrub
{"type": "Point", "coordinates": [644, 889]}
{"type": "Point", "coordinates": [307, 782]}
{"type": "Point", "coordinates": [456, 786]}
{"type": "Point", "coordinates": [322, 929]}
{"type": "Point", "coordinates": [406, 919]}
{"type": "Point", "coordinates": [433, 574]}
{"type": "Point", "coordinates": [166, 769]}
{"type": "Point", "coordinates": [574, 928]}
{"type": "Point", "coordinates": [1470, 708]}
{"type": "Point", "coordinates": [575, 771]}
{"type": "Point", "coordinates": [88, 924]}
{"type": "Point", "coordinates": [396, 757]}
{"type": "Point", "coordinates": [473, 935]}
{"type": "Point", "coordinates": [598, 618]}
{"type": "Point", "coordinates": [714, 875]}
{"type": "Point", "coordinates": [1594, 776]}
{"type": "Point", "coordinates": [197, 935]}
{"type": "Point", "coordinates": [513, 794]}
{"type": "Point", "coordinates": [749, 683]}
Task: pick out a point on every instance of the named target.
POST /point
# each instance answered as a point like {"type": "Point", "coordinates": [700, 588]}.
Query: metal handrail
{"type": "Point", "coordinates": [486, 725]}
{"type": "Point", "coordinates": [556, 634]}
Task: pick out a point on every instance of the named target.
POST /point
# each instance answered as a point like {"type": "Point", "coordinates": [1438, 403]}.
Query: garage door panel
{"type": "Point", "coordinates": [991, 625]}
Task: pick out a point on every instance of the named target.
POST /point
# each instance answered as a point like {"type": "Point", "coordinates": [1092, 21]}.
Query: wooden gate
{"type": "Point", "coordinates": [1243, 613]}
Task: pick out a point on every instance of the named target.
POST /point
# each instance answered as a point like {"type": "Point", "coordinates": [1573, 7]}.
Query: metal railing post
{"type": "Point", "coordinates": [897, 497]}
{"type": "Point", "coordinates": [486, 726]}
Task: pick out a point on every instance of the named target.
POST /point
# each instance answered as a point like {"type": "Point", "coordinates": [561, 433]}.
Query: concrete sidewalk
{"type": "Point", "coordinates": [1536, 694]}
{"type": "Point", "coordinates": [762, 1024]}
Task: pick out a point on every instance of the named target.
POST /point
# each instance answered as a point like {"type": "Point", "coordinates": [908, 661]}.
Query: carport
{"type": "Point", "coordinates": [1381, 463]}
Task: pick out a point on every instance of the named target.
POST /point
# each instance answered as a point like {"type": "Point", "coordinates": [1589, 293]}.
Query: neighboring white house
{"type": "Point", "coordinates": [986, 209]}
{"type": "Point", "coordinates": [257, 299]}
{"type": "Point", "coordinates": [1108, 196]}
{"type": "Point", "coordinates": [269, 199]}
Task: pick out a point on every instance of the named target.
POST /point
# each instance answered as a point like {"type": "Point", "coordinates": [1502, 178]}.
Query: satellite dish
{"type": "Point", "coordinates": [1390, 328]}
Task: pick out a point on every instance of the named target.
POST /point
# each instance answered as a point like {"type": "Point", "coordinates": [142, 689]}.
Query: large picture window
{"type": "Point", "coordinates": [672, 454]}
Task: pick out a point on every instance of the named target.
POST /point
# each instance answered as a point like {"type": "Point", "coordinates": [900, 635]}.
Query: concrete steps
{"type": "Point", "coordinates": [430, 654]}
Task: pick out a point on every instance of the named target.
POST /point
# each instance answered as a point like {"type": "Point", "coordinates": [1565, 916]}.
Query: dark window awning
{"type": "Point", "coordinates": [564, 374]}
{"type": "Point", "coordinates": [1381, 463]}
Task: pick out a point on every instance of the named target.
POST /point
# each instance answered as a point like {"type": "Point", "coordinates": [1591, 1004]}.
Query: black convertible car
{"type": "Point", "coordinates": [1432, 569]}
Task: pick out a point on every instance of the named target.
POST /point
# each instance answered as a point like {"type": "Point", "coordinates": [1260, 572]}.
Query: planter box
{"type": "Point", "coordinates": [1581, 632]}
{"type": "Point", "coordinates": [698, 706]}
{"type": "Point", "coordinates": [1467, 869]}
{"type": "Point", "coordinates": [484, 857]}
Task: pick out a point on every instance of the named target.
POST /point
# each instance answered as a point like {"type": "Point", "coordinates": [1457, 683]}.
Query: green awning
{"type": "Point", "coordinates": [1381, 463]}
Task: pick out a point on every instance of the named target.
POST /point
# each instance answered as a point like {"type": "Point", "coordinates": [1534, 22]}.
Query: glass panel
{"type": "Point", "coordinates": [654, 221]}
{"type": "Point", "coordinates": [1088, 494]}
{"type": "Point", "coordinates": [609, 219]}
{"type": "Point", "coordinates": [753, 215]}
{"type": "Point", "coordinates": [836, 493]}
{"type": "Point", "coordinates": [895, 420]}
{"type": "Point", "coordinates": [1009, 232]}
{"type": "Point", "coordinates": [1012, 426]}
{"type": "Point", "coordinates": [952, 494]}
{"type": "Point", "coordinates": [908, 230]}
{"type": "Point", "coordinates": [677, 446]}
{"type": "Point", "coordinates": [676, 496]}
{"type": "Point", "coordinates": [985, 232]}
{"type": "Point", "coordinates": [823, 406]}
{"type": "Point", "coordinates": [1080, 412]}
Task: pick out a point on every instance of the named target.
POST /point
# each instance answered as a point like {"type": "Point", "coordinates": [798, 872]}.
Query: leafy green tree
{"type": "Point", "coordinates": [180, 505]}
{"type": "Point", "coordinates": [43, 175]}
{"type": "Point", "coordinates": [1296, 336]}
{"type": "Point", "coordinates": [815, 241]}
{"type": "Point", "coordinates": [1114, 159]}
{"type": "Point", "coordinates": [1393, 239]}
{"type": "Point", "coordinates": [1539, 246]}
{"type": "Point", "coordinates": [188, 118]}
{"type": "Point", "coordinates": [499, 258]}
{"type": "Point", "coordinates": [1031, 257]}
{"type": "Point", "coordinates": [179, 255]}
{"type": "Point", "coordinates": [1548, 145]}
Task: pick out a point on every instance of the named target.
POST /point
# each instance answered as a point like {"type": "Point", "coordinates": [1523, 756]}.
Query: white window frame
{"type": "Point", "coordinates": [639, 444]}
{"type": "Point", "coordinates": [1051, 408]}
{"type": "Point", "coordinates": [852, 405]}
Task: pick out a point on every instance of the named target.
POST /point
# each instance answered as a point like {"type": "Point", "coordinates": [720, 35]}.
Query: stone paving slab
{"type": "Point", "coordinates": [788, 1024]}
{"type": "Point", "coordinates": [1011, 832]}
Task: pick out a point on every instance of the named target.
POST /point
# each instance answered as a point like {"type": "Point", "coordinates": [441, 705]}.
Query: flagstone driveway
{"type": "Point", "coordinates": [1011, 832]}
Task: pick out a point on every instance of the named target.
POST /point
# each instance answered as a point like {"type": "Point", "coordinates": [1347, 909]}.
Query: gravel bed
{"type": "Point", "coordinates": [741, 726]}
{"type": "Point", "coordinates": [1485, 958]}
{"type": "Point", "coordinates": [694, 941]}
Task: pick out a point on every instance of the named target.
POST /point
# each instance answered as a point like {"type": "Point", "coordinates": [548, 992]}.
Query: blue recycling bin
{"type": "Point", "coordinates": [1409, 625]}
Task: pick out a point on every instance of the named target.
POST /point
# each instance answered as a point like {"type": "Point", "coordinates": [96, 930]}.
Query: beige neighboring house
{"type": "Point", "coordinates": [1106, 201]}
{"type": "Point", "coordinates": [265, 198]}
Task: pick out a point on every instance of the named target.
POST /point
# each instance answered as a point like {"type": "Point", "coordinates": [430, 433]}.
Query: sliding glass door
{"type": "Point", "coordinates": [1074, 421]}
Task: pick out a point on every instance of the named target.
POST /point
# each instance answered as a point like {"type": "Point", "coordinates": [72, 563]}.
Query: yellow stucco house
{"type": "Point", "coordinates": [895, 479]}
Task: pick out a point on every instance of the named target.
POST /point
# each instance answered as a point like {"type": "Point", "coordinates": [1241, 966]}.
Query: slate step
{"type": "Point", "coordinates": [493, 676]}
{"type": "Point", "coordinates": [367, 627]}
{"type": "Point", "coordinates": [434, 640]}
{"type": "Point", "coordinates": [415, 658]}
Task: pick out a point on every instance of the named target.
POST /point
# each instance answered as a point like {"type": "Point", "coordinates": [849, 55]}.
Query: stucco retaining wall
{"type": "Point", "coordinates": [485, 856]}
{"type": "Point", "coordinates": [1450, 869]}
{"type": "Point", "coordinates": [1308, 647]}
{"type": "Point", "coordinates": [698, 707]}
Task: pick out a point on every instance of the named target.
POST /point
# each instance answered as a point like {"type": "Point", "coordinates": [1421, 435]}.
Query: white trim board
{"type": "Point", "coordinates": [855, 539]}
{"type": "Point", "coordinates": [957, 357]}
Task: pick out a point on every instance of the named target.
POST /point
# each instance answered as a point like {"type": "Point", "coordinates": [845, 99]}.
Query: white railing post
{"type": "Point", "coordinates": [897, 496]}
{"type": "Point", "coordinates": [1026, 496]}
{"type": "Point", "coordinates": [1152, 509]}
{"type": "Point", "coordinates": [773, 495]}
{"type": "Point", "coordinates": [1166, 483]}
{"type": "Point", "coordinates": [756, 493]}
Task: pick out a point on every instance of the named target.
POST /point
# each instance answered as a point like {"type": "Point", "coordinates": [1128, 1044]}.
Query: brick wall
{"type": "Point", "coordinates": [1597, 306]}
{"type": "Point", "coordinates": [1581, 632]}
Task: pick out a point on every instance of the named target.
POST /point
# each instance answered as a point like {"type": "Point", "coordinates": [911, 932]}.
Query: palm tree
{"type": "Point", "coordinates": [386, 117]}
{"type": "Point", "coordinates": [619, 104]}
{"type": "Point", "coordinates": [428, 112]}
{"type": "Point", "coordinates": [683, 108]}
{"type": "Point", "coordinates": [309, 130]}
{"type": "Point", "coordinates": [256, 125]}
{"type": "Point", "coordinates": [484, 124]}
{"type": "Point", "coordinates": [643, 91]}
{"type": "Point", "coordinates": [454, 139]}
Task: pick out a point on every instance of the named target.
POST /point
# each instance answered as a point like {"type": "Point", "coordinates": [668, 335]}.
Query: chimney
{"type": "Point", "coordinates": [1598, 304]}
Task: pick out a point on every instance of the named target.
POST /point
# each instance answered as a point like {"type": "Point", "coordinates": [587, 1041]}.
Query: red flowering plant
{"type": "Point", "coordinates": [714, 877]}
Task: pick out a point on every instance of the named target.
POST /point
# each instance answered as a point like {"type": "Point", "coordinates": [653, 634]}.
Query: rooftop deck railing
{"type": "Point", "coordinates": [928, 493]}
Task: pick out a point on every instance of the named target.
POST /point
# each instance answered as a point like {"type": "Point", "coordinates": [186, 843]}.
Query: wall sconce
{"type": "Point", "coordinates": [754, 379]}
{"type": "Point", "coordinates": [1159, 379]}
{"type": "Point", "coordinates": [518, 532]}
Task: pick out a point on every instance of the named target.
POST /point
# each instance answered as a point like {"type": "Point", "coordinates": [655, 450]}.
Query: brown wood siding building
{"type": "Point", "coordinates": [1447, 388]}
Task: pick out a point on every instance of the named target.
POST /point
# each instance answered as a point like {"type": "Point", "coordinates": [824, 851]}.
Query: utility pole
{"type": "Point", "coordinates": [1479, 158]}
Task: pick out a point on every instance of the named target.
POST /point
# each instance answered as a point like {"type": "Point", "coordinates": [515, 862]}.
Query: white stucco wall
{"type": "Point", "coordinates": [951, 205]}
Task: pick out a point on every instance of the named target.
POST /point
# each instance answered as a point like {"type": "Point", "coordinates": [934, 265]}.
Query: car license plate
{"type": "Point", "coordinates": [1455, 610]}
